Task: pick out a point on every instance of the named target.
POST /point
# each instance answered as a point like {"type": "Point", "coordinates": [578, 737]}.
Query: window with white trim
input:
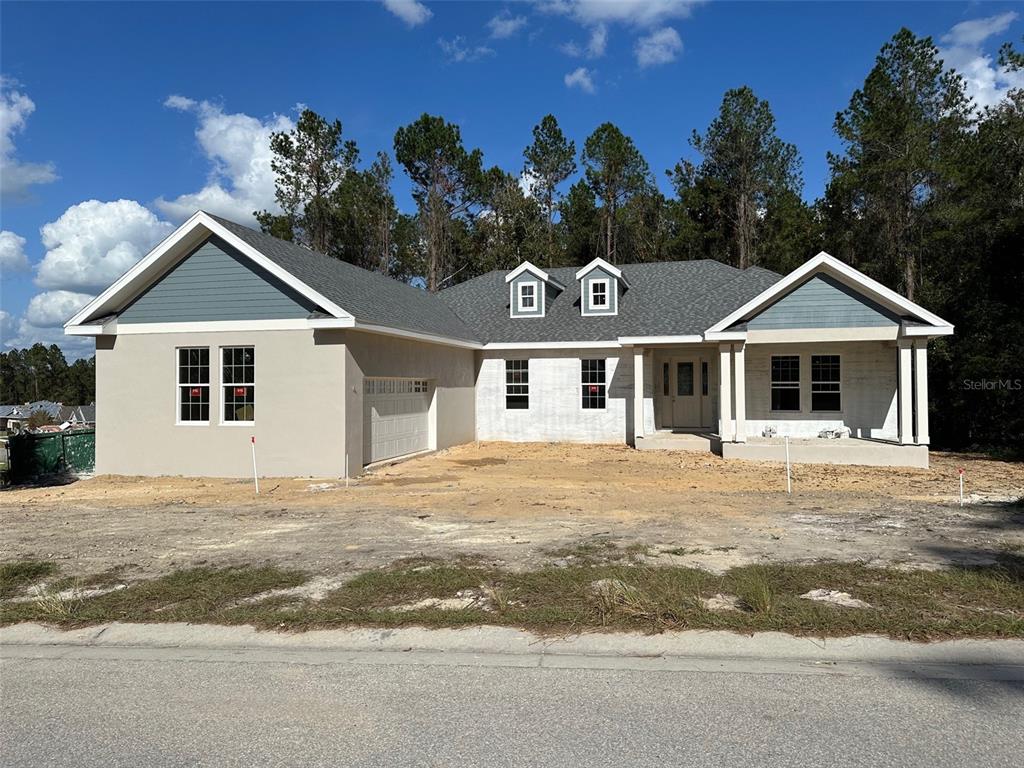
{"type": "Point", "coordinates": [826, 388]}
{"type": "Point", "coordinates": [238, 384]}
{"type": "Point", "coordinates": [785, 382]}
{"type": "Point", "coordinates": [592, 380]}
{"type": "Point", "coordinates": [527, 297]}
{"type": "Point", "coordinates": [194, 385]}
{"type": "Point", "coordinates": [517, 384]}
{"type": "Point", "coordinates": [599, 294]}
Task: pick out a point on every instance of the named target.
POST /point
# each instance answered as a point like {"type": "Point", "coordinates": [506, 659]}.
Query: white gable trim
{"type": "Point", "coordinates": [527, 267]}
{"type": "Point", "coordinates": [846, 274]}
{"type": "Point", "coordinates": [611, 269]}
{"type": "Point", "coordinates": [600, 263]}
{"type": "Point", "coordinates": [157, 261]}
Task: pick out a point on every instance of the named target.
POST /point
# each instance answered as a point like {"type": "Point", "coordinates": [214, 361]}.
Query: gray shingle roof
{"type": "Point", "coordinates": [669, 298]}
{"type": "Point", "coordinates": [370, 297]}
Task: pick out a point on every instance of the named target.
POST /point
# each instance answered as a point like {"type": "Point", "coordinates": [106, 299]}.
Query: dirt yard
{"type": "Point", "coordinates": [521, 505]}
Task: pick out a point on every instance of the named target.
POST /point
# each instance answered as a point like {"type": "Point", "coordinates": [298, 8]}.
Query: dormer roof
{"type": "Point", "coordinates": [536, 272]}
{"type": "Point", "coordinates": [600, 263]}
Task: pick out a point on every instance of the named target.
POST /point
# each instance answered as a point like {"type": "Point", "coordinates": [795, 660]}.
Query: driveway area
{"type": "Point", "coordinates": [524, 505]}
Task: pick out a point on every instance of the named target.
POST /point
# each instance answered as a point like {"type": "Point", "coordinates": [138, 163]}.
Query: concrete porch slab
{"type": "Point", "coordinates": [871, 453]}
{"type": "Point", "coordinates": [667, 440]}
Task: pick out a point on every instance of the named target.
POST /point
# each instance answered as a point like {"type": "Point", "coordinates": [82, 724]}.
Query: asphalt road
{"type": "Point", "coordinates": [155, 707]}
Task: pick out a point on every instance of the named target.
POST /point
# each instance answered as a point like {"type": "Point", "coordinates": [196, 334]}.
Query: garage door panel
{"type": "Point", "coordinates": [395, 418]}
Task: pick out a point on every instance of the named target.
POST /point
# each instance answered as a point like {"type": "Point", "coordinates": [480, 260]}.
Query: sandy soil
{"type": "Point", "coordinates": [516, 503]}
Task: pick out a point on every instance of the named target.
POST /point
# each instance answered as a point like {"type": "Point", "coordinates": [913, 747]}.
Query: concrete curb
{"type": "Point", "coordinates": [707, 645]}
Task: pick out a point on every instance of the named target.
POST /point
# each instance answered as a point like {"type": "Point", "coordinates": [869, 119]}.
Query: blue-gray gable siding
{"type": "Point", "coordinates": [823, 302]}
{"type": "Point", "coordinates": [215, 282]}
{"type": "Point", "coordinates": [540, 295]}
{"type": "Point", "coordinates": [613, 292]}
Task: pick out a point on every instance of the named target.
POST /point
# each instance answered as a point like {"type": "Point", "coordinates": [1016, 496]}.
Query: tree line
{"type": "Point", "coordinates": [43, 373]}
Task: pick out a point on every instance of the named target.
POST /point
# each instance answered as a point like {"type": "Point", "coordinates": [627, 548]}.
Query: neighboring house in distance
{"type": "Point", "coordinates": [221, 333]}
{"type": "Point", "coordinates": [5, 414]}
{"type": "Point", "coordinates": [19, 415]}
{"type": "Point", "coordinates": [78, 415]}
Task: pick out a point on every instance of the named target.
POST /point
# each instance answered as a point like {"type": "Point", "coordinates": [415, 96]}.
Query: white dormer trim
{"type": "Point", "coordinates": [823, 262]}
{"type": "Point", "coordinates": [600, 263]}
{"type": "Point", "coordinates": [527, 267]}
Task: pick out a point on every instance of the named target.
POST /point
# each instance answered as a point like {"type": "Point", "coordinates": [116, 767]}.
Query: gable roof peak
{"type": "Point", "coordinates": [599, 263]}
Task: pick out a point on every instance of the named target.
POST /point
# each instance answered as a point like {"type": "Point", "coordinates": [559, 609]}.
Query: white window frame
{"type": "Point", "coordinates": [603, 383]}
{"type": "Point", "coordinates": [838, 384]}
{"type": "Point", "coordinates": [178, 384]}
{"type": "Point", "coordinates": [773, 384]}
{"type": "Point", "coordinates": [509, 384]}
{"type": "Point", "coordinates": [221, 386]}
{"type": "Point", "coordinates": [532, 284]}
{"type": "Point", "coordinates": [594, 307]}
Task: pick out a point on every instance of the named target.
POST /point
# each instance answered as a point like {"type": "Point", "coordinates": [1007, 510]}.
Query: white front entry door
{"type": "Point", "coordinates": [683, 387]}
{"type": "Point", "coordinates": [396, 418]}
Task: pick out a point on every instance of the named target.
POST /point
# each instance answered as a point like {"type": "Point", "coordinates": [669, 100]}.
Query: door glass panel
{"type": "Point", "coordinates": [664, 377]}
{"type": "Point", "coordinates": [684, 379]}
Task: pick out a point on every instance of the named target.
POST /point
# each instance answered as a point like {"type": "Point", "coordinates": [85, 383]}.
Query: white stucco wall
{"type": "Point", "coordinates": [300, 414]}
{"type": "Point", "coordinates": [556, 412]}
{"type": "Point", "coordinates": [868, 381]}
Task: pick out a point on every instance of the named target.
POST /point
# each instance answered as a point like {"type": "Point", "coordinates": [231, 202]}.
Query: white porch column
{"type": "Point", "coordinates": [921, 392]}
{"type": "Point", "coordinates": [638, 393]}
{"type": "Point", "coordinates": [739, 376]}
{"type": "Point", "coordinates": [726, 429]}
{"type": "Point", "coordinates": [905, 390]}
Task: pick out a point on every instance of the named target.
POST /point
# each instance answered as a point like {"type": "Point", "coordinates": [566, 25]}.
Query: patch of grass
{"type": "Point", "coordinates": [17, 575]}
{"type": "Point", "coordinates": [193, 595]}
{"type": "Point", "coordinates": [682, 551]}
{"type": "Point", "coordinates": [602, 552]}
{"type": "Point", "coordinates": [983, 601]}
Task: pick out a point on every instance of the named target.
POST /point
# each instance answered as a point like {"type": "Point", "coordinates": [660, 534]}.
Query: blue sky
{"type": "Point", "coordinates": [120, 119]}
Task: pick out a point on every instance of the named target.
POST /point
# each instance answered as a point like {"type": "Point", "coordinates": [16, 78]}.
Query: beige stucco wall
{"type": "Point", "coordinates": [868, 381]}
{"type": "Point", "coordinates": [300, 418]}
{"type": "Point", "coordinates": [451, 370]}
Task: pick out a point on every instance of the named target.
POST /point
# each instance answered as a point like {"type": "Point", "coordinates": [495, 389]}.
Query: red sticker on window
{"type": "Point", "coordinates": [239, 391]}
{"type": "Point", "coordinates": [196, 392]}
{"type": "Point", "coordinates": [593, 389]}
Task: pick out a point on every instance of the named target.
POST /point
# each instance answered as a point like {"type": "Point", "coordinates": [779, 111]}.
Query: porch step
{"type": "Point", "coordinates": [677, 441]}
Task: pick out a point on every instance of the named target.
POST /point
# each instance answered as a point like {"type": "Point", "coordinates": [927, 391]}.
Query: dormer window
{"type": "Point", "coordinates": [601, 284]}
{"type": "Point", "coordinates": [529, 290]}
{"type": "Point", "coordinates": [527, 297]}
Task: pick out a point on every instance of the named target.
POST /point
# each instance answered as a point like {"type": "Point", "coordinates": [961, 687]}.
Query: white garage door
{"type": "Point", "coordinates": [395, 418]}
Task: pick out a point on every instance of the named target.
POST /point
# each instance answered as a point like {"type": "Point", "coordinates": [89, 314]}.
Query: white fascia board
{"type": "Point", "coordinates": [926, 330]}
{"type": "Point", "coordinates": [93, 329]}
{"type": "Point", "coordinates": [823, 262]}
{"type": "Point", "coordinates": [527, 267]}
{"type": "Point", "coordinates": [725, 335]}
{"type": "Point", "coordinates": [635, 340]}
{"type": "Point", "coordinates": [611, 269]}
{"type": "Point", "coordinates": [416, 336]}
{"type": "Point", "coordinates": [165, 252]}
{"type": "Point", "coordinates": [552, 345]}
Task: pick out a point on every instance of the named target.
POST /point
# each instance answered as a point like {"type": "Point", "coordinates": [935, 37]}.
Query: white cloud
{"type": "Point", "coordinates": [51, 309]}
{"type": "Point", "coordinates": [94, 243]}
{"type": "Point", "coordinates": [15, 176]}
{"type": "Point", "coordinates": [505, 24]}
{"type": "Point", "coordinates": [12, 253]}
{"type": "Point", "coordinates": [241, 179]}
{"type": "Point", "coordinates": [987, 82]}
{"type": "Point", "coordinates": [456, 50]}
{"type": "Point", "coordinates": [581, 78]}
{"type": "Point", "coordinates": [638, 13]}
{"type": "Point", "coordinates": [660, 47]}
{"type": "Point", "coordinates": [527, 182]}
{"type": "Point", "coordinates": [412, 12]}
{"type": "Point", "coordinates": [595, 48]}
{"type": "Point", "coordinates": [8, 327]}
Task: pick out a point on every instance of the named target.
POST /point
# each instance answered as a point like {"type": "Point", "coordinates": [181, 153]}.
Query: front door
{"type": "Point", "coordinates": [682, 390]}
